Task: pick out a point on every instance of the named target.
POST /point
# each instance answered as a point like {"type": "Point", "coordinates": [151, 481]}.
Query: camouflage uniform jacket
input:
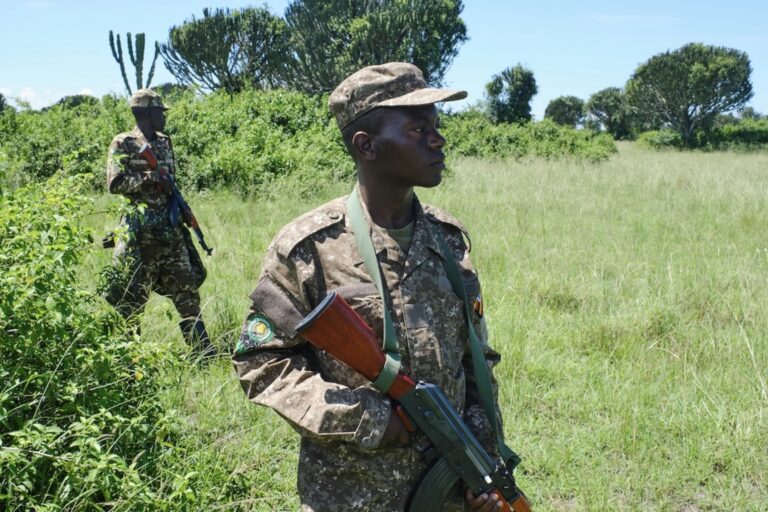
{"type": "Point", "coordinates": [130, 175]}
{"type": "Point", "coordinates": [340, 416]}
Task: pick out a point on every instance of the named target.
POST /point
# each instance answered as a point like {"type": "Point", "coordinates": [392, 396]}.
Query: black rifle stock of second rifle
{"type": "Point", "coordinates": [180, 206]}
{"type": "Point", "coordinates": [456, 454]}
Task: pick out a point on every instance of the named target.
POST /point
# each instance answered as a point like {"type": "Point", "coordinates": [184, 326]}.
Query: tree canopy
{"type": "Point", "coordinates": [228, 49]}
{"type": "Point", "coordinates": [565, 110]}
{"type": "Point", "coordinates": [331, 39]}
{"type": "Point", "coordinates": [609, 107]}
{"type": "Point", "coordinates": [687, 88]}
{"type": "Point", "coordinates": [510, 93]}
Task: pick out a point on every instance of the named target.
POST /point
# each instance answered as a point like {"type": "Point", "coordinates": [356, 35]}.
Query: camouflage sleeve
{"type": "Point", "coordinates": [120, 178]}
{"type": "Point", "coordinates": [277, 369]}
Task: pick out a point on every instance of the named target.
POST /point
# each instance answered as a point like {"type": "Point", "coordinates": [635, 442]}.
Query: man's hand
{"type": "Point", "coordinates": [396, 434]}
{"type": "Point", "coordinates": [486, 502]}
{"type": "Point", "coordinates": [162, 179]}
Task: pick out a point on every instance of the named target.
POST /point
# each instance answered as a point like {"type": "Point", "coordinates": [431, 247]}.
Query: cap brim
{"type": "Point", "coordinates": [426, 96]}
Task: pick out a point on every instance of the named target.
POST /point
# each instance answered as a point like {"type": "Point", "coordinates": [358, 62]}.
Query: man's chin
{"type": "Point", "coordinates": [434, 181]}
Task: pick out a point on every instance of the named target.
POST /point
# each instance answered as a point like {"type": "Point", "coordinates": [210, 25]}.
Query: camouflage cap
{"type": "Point", "coordinates": [146, 98]}
{"type": "Point", "coordinates": [394, 84]}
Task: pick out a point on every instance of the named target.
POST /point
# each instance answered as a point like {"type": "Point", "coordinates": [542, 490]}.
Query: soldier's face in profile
{"type": "Point", "coordinates": [157, 116]}
{"type": "Point", "coordinates": [410, 147]}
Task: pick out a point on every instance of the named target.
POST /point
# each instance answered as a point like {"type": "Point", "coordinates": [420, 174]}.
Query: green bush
{"type": "Point", "coordinates": [250, 141]}
{"type": "Point", "coordinates": [658, 139]}
{"type": "Point", "coordinates": [81, 425]}
{"type": "Point", "coordinates": [70, 136]}
{"type": "Point", "coordinates": [255, 139]}
{"type": "Point", "coordinates": [745, 134]}
{"type": "Point", "coordinates": [739, 134]}
{"type": "Point", "coordinates": [473, 134]}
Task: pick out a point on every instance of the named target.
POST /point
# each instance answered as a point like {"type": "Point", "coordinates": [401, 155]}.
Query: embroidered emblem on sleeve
{"type": "Point", "coordinates": [258, 330]}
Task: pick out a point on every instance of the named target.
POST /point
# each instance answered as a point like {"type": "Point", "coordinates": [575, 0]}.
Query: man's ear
{"type": "Point", "coordinates": [363, 144]}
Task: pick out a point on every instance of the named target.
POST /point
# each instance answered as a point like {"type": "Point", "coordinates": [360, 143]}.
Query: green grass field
{"type": "Point", "coordinates": [628, 300]}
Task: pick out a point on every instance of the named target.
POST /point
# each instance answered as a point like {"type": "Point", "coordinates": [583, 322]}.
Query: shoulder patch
{"type": "Point", "coordinates": [308, 224]}
{"type": "Point", "coordinates": [440, 216]}
{"type": "Point", "coordinates": [257, 331]}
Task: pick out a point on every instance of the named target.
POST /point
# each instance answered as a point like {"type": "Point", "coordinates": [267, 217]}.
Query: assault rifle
{"type": "Point", "coordinates": [178, 204]}
{"type": "Point", "coordinates": [456, 454]}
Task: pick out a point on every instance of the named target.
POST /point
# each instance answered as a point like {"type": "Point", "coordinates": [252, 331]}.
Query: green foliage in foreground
{"type": "Point", "coordinates": [628, 301]}
{"type": "Point", "coordinates": [82, 426]}
{"type": "Point", "coordinates": [254, 141]}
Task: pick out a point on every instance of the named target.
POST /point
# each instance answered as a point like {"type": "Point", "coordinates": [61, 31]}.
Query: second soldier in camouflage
{"type": "Point", "coordinates": [155, 255]}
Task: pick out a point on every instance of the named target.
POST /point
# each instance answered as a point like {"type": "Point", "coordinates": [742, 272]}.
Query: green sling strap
{"type": "Point", "coordinates": [362, 233]}
{"type": "Point", "coordinates": [392, 364]}
{"type": "Point", "coordinates": [479, 365]}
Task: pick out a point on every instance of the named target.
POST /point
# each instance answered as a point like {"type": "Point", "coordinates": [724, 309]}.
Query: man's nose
{"type": "Point", "coordinates": [436, 140]}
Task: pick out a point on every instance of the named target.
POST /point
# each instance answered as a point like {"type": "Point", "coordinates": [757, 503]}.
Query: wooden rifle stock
{"type": "Point", "coordinates": [147, 154]}
{"type": "Point", "coordinates": [335, 327]}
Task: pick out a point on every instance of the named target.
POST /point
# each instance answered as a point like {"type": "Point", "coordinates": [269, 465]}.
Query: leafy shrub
{"type": "Point", "coordinates": [254, 139]}
{"type": "Point", "coordinates": [745, 134]}
{"type": "Point", "coordinates": [658, 139]}
{"type": "Point", "coordinates": [72, 136]}
{"type": "Point", "coordinates": [250, 141]}
{"type": "Point", "coordinates": [81, 427]}
{"type": "Point", "coordinates": [473, 134]}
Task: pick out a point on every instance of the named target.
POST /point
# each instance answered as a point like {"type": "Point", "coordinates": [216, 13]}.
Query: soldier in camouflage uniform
{"type": "Point", "coordinates": [155, 255]}
{"type": "Point", "coordinates": [356, 455]}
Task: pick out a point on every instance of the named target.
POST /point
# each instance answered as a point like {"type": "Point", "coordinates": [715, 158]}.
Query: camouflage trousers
{"type": "Point", "coordinates": [340, 477]}
{"type": "Point", "coordinates": [170, 266]}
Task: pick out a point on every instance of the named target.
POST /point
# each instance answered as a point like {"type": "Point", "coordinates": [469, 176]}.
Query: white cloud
{"type": "Point", "coordinates": [39, 98]}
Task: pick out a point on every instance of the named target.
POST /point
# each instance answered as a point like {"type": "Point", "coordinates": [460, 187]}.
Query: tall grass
{"type": "Point", "coordinates": [627, 298]}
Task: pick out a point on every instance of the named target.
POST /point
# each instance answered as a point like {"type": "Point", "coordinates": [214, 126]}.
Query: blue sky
{"type": "Point", "coordinates": [53, 48]}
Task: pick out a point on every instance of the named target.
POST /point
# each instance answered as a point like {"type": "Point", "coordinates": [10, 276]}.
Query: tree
{"type": "Point", "coordinates": [331, 39]}
{"type": "Point", "coordinates": [228, 49]}
{"type": "Point", "coordinates": [566, 110]}
{"type": "Point", "coordinates": [137, 58]}
{"type": "Point", "coordinates": [74, 101]}
{"type": "Point", "coordinates": [3, 103]}
{"type": "Point", "coordinates": [750, 113]}
{"type": "Point", "coordinates": [509, 95]}
{"type": "Point", "coordinates": [609, 108]}
{"type": "Point", "coordinates": [687, 88]}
